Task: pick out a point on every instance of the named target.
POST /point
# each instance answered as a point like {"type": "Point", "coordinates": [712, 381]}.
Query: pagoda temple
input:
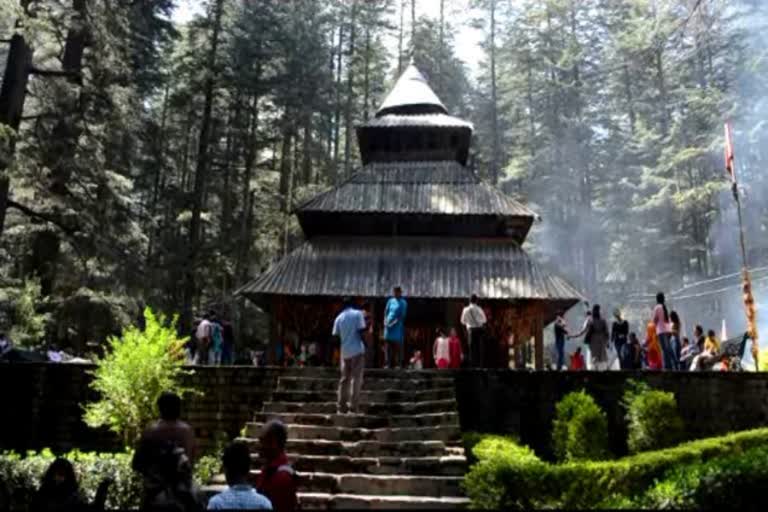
{"type": "Point", "coordinates": [414, 215]}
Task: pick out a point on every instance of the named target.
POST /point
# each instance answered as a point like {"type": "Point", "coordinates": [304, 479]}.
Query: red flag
{"type": "Point", "coordinates": [729, 157]}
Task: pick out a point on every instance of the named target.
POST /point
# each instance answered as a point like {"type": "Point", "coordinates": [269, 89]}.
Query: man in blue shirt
{"type": "Point", "coordinates": [240, 494]}
{"type": "Point", "coordinates": [394, 328]}
{"type": "Point", "coordinates": [349, 326]}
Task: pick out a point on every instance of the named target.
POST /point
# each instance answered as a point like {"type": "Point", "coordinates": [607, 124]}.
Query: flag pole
{"type": "Point", "coordinates": [746, 281]}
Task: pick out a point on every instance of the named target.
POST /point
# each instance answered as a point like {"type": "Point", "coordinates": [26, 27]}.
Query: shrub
{"type": "Point", "coordinates": [580, 429]}
{"type": "Point", "coordinates": [22, 476]}
{"type": "Point", "coordinates": [489, 483]}
{"type": "Point", "coordinates": [137, 368]}
{"type": "Point", "coordinates": [735, 481]}
{"type": "Point", "coordinates": [472, 439]}
{"type": "Point", "coordinates": [653, 420]}
{"type": "Point", "coordinates": [512, 477]}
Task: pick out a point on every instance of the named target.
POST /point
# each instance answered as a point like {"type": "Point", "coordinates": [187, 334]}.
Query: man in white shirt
{"type": "Point", "coordinates": [473, 318]}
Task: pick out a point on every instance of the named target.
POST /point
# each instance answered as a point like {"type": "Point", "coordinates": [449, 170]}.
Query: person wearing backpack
{"type": "Point", "coordinates": [277, 480]}
{"type": "Point", "coordinates": [217, 341]}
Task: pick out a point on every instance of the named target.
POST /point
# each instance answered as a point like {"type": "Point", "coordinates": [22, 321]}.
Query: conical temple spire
{"type": "Point", "coordinates": [411, 95]}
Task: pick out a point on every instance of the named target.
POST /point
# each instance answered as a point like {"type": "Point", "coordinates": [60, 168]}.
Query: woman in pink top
{"type": "Point", "coordinates": [441, 350]}
{"type": "Point", "coordinates": [664, 332]}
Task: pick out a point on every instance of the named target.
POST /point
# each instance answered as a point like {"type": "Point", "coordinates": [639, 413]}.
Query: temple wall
{"type": "Point", "coordinates": [42, 402]}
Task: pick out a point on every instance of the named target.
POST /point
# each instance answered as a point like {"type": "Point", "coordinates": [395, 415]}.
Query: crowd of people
{"type": "Point", "coordinates": [212, 341]}
{"type": "Point", "coordinates": [165, 457]}
{"type": "Point", "coordinates": [664, 346]}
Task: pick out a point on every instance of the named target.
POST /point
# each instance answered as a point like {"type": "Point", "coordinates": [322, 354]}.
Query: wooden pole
{"type": "Point", "coordinates": [749, 301]}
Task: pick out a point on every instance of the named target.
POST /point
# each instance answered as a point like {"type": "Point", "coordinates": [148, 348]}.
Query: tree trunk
{"type": "Point", "coordinates": [413, 29]}
{"type": "Point", "coordinates": [337, 113]}
{"type": "Point", "coordinates": [306, 163]}
{"type": "Point", "coordinates": [12, 96]}
{"type": "Point", "coordinates": [367, 76]}
{"type": "Point", "coordinates": [494, 104]}
{"type": "Point", "coordinates": [198, 193]}
{"type": "Point", "coordinates": [441, 51]}
{"type": "Point", "coordinates": [350, 95]}
{"type": "Point", "coordinates": [60, 154]}
{"type": "Point", "coordinates": [400, 39]}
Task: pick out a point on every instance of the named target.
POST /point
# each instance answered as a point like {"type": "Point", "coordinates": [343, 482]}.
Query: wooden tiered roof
{"type": "Point", "coordinates": [416, 216]}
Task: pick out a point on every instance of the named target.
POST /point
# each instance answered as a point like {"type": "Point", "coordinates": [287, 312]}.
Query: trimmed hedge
{"type": "Point", "coordinates": [732, 482]}
{"type": "Point", "coordinates": [21, 475]}
{"type": "Point", "coordinates": [511, 476]}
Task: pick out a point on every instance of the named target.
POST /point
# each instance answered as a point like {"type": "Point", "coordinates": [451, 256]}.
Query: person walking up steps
{"type": "Point", "coordinates": [473, 318]}
{"type": "Point", "coordinates": [350, 327]}
{"type": "Point", "coordinates": [277, 480]}
{"type": "Point", "coordinates": [394, 329]}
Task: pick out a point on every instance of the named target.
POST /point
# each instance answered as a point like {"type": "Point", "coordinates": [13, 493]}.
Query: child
{"type": "Point", "coordinates": [416, 361]}
{"type": "Point", "coordinates": [454, 349]}
{"type": "Point", "coordinates": [441, 350]}
{"type": "Point", "coordinates": [577, 360]}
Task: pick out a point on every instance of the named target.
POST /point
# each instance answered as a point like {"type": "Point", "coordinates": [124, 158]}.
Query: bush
{"type": "Point", "coordinates": [580, 429]}
{"type": "Point", "coordinates": [138, 367]}
{"type": "Point", "coordinates": [512, 477]}
{"type": "Point", "coordinates": [653, 420]}
{"type": "Point", "coordinates": [735, 481]}
{"type": "Point", "coordinates": [491, 484]}
{"type": "Point", "coordinates": [472, 439]}
{"type": "Point", "coordinates": [22, 476]}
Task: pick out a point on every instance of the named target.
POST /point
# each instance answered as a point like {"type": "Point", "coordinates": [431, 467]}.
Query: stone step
{"type": "Point", "coordinates": [375, 373]}
{"type": "Point", "coordinates": [451, 465]}
{"type": "Point", "coordinates": [389, 395]}
{"type": "Point", "coordinates": [399, 485]}
{"type": "Point", "coordinates": [369, 408]}
{"type": "Point", "coordinates": [323, 501]}
{"type": "Point", "coordinates": [369, 384]}
{"type": "Point", "coordinates": [361, 448]}
{"type": "Point", "coordinates": [362, 421]}
{"type": "Point", "coordinates": [444, 433]}
{"type": "Point", "coordinates": [326, 501]}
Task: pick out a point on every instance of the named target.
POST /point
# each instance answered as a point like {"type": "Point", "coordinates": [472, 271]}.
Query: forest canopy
{"type": "Point", "coordinates": [148, 162]}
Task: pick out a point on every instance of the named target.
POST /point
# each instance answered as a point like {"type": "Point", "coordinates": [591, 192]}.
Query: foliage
{"type": "Point", "coordinates": [22, 475]}
{"type": "Point", "coordinates": [653, 419]}
{"type": "Point", "coordinates": [510, 476]}
{"type": "Point", "coordinates": [471, 439]}
{"type": "Point", "coordinates": [503, 476]}
{"type": "Point", "coordinates": [139, 366]}
{"type": "Point", "coordinates": [580, 429]}
{"type": "Point", "coordinates": [29, 323]}
{"type": "Point", "coordinates": [734, 481]}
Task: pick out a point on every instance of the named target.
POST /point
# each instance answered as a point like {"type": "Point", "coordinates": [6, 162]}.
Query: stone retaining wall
{"type": "Point", "coordinates": [711, 403]}
{"type": "Point", "coordinates": [42, 402]}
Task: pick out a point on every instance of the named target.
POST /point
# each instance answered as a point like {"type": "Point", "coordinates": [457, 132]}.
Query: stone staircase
{"type": "Point", "coordinates": [403, 451]}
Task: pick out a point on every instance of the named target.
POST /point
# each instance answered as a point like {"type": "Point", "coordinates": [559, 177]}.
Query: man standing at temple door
{"type": "Point", "coordinates": [394, 328]}
{"type": "Point", "coordinates": [474, 319]}
{"type": "Point", "coordinates": [350, 327]}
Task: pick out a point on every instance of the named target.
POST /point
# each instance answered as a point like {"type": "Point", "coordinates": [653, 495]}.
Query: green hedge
{"type": "Point", "coordinates": [735, 481]}
{"type": "Point", "coordinates": [580, 429]}
{"type": "Point", "coordinates": [510, 476]}
{"type": "Point", "coordinates": [653, 419]}
{"type": "Point", "coordinates": [22, 474]}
